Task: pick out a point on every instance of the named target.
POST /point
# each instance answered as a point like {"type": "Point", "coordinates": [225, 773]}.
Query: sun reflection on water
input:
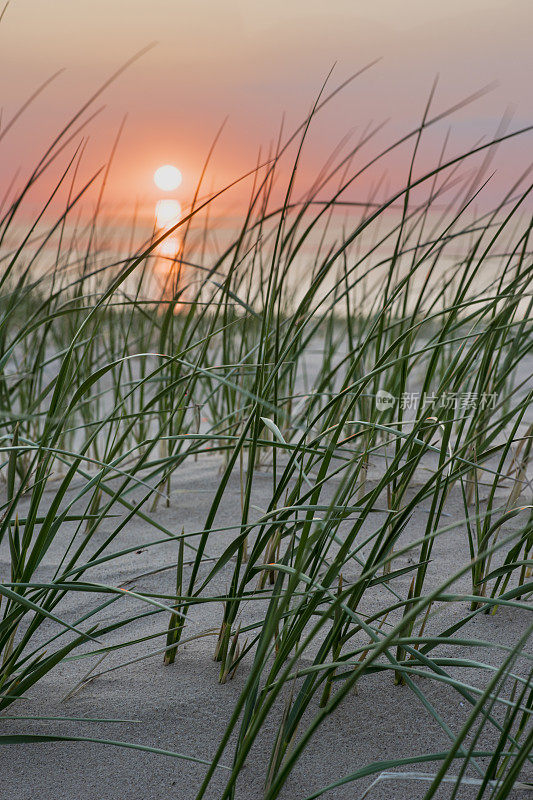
{"type": "Point", "coordinates": [167, 213]}
{"type": "Point", "coordinates": [167, 266]}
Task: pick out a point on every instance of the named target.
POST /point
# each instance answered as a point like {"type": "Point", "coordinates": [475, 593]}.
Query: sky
{"type": "Point", "coordinates": [256, 63]}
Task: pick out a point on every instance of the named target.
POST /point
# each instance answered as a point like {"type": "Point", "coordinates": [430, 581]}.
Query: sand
{"type": "Point", "coordinates": [182, 707]}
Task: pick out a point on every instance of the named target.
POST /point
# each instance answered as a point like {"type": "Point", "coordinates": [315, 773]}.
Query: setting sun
{"type": "Point", "coordinates": [167, 178]}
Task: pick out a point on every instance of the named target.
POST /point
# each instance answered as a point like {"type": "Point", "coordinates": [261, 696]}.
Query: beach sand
{"type": "Point", "coordinates": [183, 707]}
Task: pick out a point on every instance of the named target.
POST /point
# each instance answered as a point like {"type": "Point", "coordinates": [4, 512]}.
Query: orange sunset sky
{"type": "Point", "coordinates": [252, 62]}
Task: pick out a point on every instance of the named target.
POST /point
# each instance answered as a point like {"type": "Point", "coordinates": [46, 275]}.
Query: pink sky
{"type": "Point", "coordinates": [253, 61]}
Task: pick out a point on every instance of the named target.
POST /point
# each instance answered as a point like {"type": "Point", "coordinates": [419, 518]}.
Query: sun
{"type": "Point", "coordinates": [167, 178]}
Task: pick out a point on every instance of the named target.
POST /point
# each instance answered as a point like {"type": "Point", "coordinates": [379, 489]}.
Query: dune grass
{"type": "Point", "coordinates": [108, 387]}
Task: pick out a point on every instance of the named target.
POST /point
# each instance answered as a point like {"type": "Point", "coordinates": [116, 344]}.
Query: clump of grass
{"type": "Point", "coordinates": [107, 390]}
